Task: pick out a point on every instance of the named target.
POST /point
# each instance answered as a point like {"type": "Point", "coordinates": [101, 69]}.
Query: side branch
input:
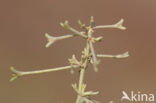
{"type": "Point", "coordinates": [67, 26]}
{"type": "Point", "coordinates": [52, 39]}
{"type": "Point", "coordinates": [95, 61]}
{"type": "Point", "coordinates": [17, 73]}
{"type": "Point", "coordinates": [124, 55]}
{"type": "Point", "coordinates": [118, 25]}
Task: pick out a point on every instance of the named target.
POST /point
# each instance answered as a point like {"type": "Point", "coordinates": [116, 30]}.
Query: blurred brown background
{"type": "Point", "coordinates": [22, 45]}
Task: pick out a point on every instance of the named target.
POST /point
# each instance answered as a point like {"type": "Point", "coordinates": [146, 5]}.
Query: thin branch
{"type": "Point", "coordinates": [118, 25]}
{"type": "Point", "coordinates": [67, 26]}
{"type": "Point", "coordinates": [17, 73]}
{"type": "Point", "coordinates": [90, 32]}
{"type": "Point", "coordinates": [124, 55]}
{"type": "Point", "coordinates": [82, 72]}
{"type": "Point", "coordinates": [95, 62]}
{"type": "Point", "coordinates": [52, 39]}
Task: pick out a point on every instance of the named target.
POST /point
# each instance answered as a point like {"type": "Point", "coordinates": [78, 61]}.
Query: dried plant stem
{"type": "Point", "coordinates": [17, 73]}
{"type": "Point", "coordinates": [118, 25]}
{"type": "Point", "coordinates": [104, 26]}
{"type": "Point", "coordinates": [95, 62]}
{"type": "Point", "coordinates": [52, 39]}
{"type": "Point", "coordinates": [46, 70]}
{"type": "Point", "coordinates": [124, 55]}
{"type": "Point", "coordinates": [82, 72]}
{"type": "Point", "coordinates": [67, 26]}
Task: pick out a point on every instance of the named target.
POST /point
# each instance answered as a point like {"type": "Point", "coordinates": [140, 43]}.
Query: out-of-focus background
{"type": "Point", "coordinates": [23, 24]}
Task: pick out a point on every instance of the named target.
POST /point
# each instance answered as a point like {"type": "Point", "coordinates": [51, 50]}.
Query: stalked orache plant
{"type": "Point", "coordinates": [88, 56]}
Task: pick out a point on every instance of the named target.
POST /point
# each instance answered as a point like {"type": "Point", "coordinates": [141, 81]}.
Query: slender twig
{"type": "Point", "coordinates": [17, 73]}
{"type": "Point", "coordinates": [52, 39]}
{"type": "Point", "coordinates": [46, 70]}
{"type": "Point", "coordinates": [67, 26]}
{"type": "Point", "coordinates": [118, 25]}
{"type": "Point", "coordinates": [95, 61]}
{"type": "Point", "coordinates": [124, 55]}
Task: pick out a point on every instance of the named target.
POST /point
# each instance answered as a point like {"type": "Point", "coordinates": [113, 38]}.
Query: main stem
{"type": "Point", "coordinates": [82, 72]}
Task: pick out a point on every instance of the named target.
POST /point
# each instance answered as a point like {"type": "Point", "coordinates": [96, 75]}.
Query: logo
{"type": "Point", "coordinates": [137, 97]}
